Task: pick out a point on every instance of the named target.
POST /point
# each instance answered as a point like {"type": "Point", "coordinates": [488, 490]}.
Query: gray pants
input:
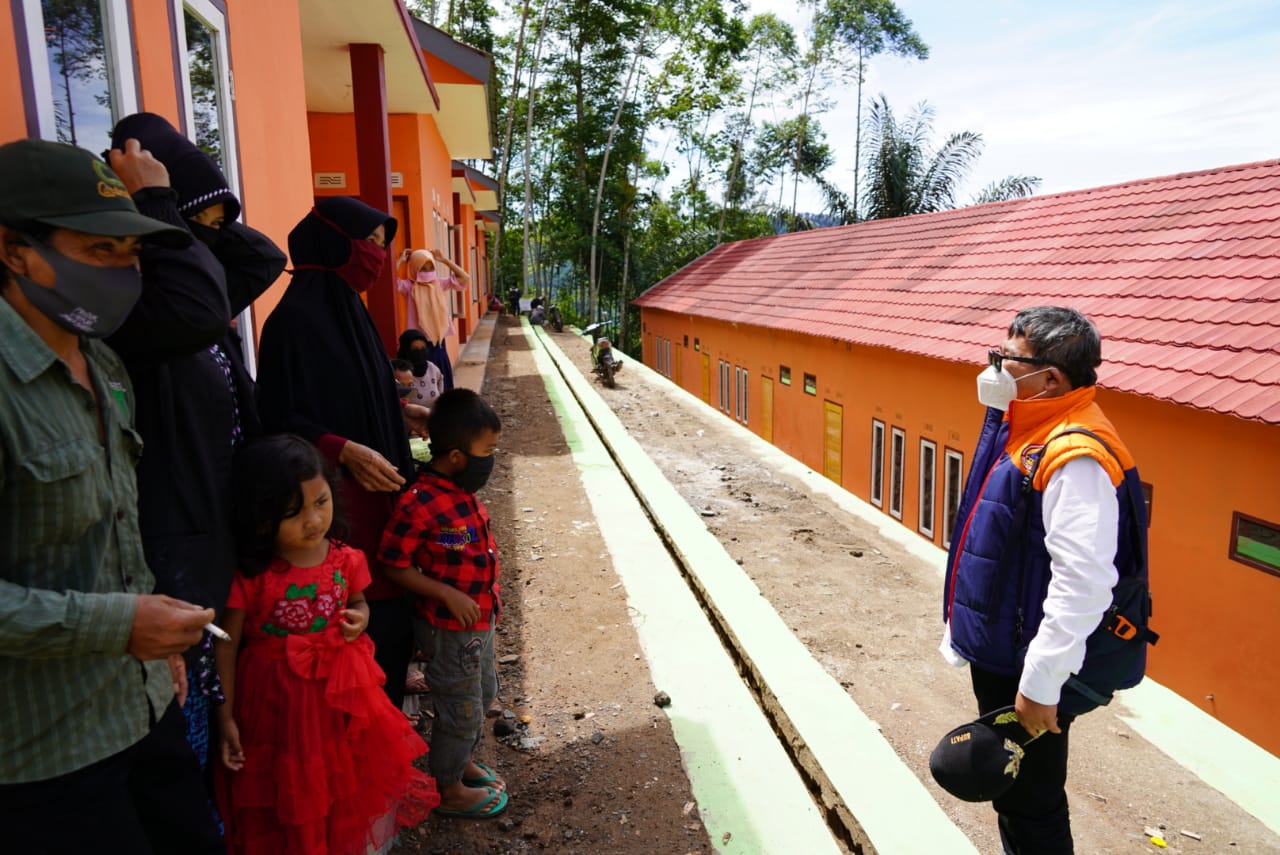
{"type": "Point", "coordinates": [463, 677]}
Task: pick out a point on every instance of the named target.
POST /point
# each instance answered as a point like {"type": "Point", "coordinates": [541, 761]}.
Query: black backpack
{"type": "Point", "coordinates": [1116, 652]}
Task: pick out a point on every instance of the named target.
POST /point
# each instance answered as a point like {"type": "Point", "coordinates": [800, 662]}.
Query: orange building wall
{"type": "Point", "coordinates": [13, 119]}
{"type": "Point", "coordinates": [1217, 618]}
{"type": "Point", "coordinates": [152, 38]}
{"type": "Point", "coordinates": [265, 42]}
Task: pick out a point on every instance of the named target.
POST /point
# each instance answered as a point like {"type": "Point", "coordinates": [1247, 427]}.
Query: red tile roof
{"type": "Point", "coordinates": [1181, 274]}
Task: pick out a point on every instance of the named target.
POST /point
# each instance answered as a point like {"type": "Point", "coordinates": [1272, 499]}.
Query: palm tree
{"type": "Point", "coordinates": [906, 176]}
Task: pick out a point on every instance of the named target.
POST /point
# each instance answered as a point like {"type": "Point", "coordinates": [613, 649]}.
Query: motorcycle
{"type": "Point", "coordinates": [605, 363]}
{"type": "Point", "coordinates": [554, 318]}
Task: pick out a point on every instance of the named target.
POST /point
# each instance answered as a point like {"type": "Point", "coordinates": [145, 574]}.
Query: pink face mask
{"type": "Point", "coordinates": [426, 276]}
{"type": "Point", "coordinates": [362, 268]}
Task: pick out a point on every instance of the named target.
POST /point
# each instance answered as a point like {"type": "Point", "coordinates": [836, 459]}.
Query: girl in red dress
{"type": "Point", "coordinates": [315, 759]}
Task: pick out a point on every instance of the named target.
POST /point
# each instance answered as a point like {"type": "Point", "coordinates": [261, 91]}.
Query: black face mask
{"type": "Point", "coordinates": [418, 359]}
{"type": "Point", "coordinates": [477, 473]}
{"type": "Point", "coordinates": [404, 391]}
{"type": "Point", "coordinates": [85, 299]}
{"type": "Point", "coordinates": [207, 235]}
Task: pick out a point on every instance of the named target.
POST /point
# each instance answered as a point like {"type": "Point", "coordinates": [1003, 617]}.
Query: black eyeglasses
{"type": "Point", "coordinates": [995, 358]}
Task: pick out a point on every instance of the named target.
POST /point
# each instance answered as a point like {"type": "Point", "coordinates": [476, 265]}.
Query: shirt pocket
{"type": "Point", "coordinates": [68, 491]}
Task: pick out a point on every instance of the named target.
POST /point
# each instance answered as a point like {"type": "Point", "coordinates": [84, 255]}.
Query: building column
{"type": "Point", "coordinates": [373, 153]}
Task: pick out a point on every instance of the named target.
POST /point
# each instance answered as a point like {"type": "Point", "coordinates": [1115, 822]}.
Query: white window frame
{"type": "Point", "coordinates": [213, 18]}
{"type": "Point", "coordinates": [951, 486]}
{"type": "Point", "coordinates": [474, 254]}
{"type": "Point", "coordinates": [877, 463]}
{"type": "Point", "coordinates": [118, 38]}
{"type": "Point", "coordinates": [741, 379]}
{"type": "Point", "coordinates": [928, 494]}
{"type": "Point", "coordinates": [216, 22]}
{"type": "Point", "coordinates": [725, 391]}
{"type": "Point", "coordinates": [897, 470]}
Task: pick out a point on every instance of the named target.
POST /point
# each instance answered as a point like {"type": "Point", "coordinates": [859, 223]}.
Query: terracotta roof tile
{"type": "Point", "coordinates": [1181, 274]}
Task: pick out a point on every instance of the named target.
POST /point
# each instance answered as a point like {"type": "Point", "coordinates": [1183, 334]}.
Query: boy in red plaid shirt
{"type": "Point", "coordinates": [438, 545]}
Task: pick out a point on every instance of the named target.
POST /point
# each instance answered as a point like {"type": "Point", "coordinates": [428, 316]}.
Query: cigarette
{"type": "Point", "coordinates": [218, 631]}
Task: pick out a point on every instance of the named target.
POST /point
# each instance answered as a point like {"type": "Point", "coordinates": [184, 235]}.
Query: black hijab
{"type": "Point", "coordinates": [406, 351]}
{"type": "Point", "coordinates": [322, 368]}
{"type": "Point", "coordinates": [195, 177]}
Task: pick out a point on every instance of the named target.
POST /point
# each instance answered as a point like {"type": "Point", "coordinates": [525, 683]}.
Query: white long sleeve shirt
{"type": "Point", "coordinates": [1081, 520]}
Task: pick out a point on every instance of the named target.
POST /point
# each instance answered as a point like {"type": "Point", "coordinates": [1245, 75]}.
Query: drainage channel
{"type": "Point", "coordinates": [865, 797]}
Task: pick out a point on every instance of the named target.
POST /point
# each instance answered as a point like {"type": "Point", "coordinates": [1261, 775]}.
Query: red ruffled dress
{"type": "Point", "coordinates": [328, 766]}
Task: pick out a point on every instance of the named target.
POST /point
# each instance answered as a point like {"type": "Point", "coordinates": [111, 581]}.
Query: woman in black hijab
{"type": "Point", "coordinates": [323, 374]}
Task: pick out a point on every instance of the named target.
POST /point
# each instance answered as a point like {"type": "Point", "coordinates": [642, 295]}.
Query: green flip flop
{"type": "Point", "coordinates": [484, 809]}
{"type": "Point", "coordinates": [489, 778]}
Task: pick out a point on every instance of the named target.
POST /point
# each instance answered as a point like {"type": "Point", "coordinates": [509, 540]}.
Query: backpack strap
{"type": "Point", "coordinates": [1017, 526]}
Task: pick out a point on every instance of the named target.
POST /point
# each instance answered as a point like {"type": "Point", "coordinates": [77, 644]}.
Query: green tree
{"type": "Point", "coordinates": [866, 29]}
{"type": "Point", "coordinates": [906, 175]}
{"type": "Point", "coordinates": [772, 52]}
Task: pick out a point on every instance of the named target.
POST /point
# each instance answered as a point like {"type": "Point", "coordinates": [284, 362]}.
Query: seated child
{"type": "Point", "coordinates": [438, 545]}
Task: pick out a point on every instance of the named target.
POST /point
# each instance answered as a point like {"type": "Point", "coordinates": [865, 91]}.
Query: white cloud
{"type": "Point", "coordinates": [1082, 95]}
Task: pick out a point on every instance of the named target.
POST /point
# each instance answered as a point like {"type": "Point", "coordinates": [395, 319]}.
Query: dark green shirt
{"type": "Point", "coordinates": [70, 563]}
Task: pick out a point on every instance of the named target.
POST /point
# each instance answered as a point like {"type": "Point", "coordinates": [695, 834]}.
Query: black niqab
{"type": "Point", "coordinates": [322, 368]}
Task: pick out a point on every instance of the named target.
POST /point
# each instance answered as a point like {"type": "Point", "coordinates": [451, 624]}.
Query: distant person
{"type": "Point", "coordinates": [1038, 593]}
{"type": "Point", "coordinates": [314, 756]}
{"type": "Point", "coordinates": [92, 748]}
{"type": "Point", "coordinates": [195, 397]}
{"type": "Point", "coordinates": [427, 380]}
{"type": "Point", "coordinates": [432, 281]}
{"type": "Point", "coordinates": [513, 296]}
{"type": "Point", "coordinates": [439, 546]}
{"type": "Point", "coordinates": [324, 375]}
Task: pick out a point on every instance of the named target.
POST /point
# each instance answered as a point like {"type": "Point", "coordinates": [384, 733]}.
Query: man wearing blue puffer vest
{"type": "Point", "coordinates": [1025, 589]}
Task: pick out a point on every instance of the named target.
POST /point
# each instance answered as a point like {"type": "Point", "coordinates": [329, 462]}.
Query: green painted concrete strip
{"type": "Point", "coordinates": [860, 773]}
{"type": "Point", "coordinates": [745, 785]}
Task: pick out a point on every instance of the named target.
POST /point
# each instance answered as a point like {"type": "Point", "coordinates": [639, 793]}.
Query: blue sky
{"type": "Point", "coordinates": [1081, 94]}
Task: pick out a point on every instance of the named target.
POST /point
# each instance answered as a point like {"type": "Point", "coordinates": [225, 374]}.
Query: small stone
{"type": "Point", "coordinates": [579, 716]}
{"type": "Point", "coordinates": [501, 727]}
{"type": "Point", "coordinates": [509, 659]}
{"type": "Point", "coordinates": [506, 824]}
{"type": "Point", "coordinates": [597, 738]}
{"type": "Point", "coordinates": [528, 743]}
{"type": "Point", "coordinates": [857, 553]}
{"type": "Point", "coordinates": [508, 715]}
{"type": "Point", "coordinates": [662, 699]}
{"type": "Point", "coordinates": [526, 719]}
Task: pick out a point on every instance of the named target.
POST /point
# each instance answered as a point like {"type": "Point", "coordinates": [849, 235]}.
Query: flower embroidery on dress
{"type": "Point", "coordinates": [299, 612]}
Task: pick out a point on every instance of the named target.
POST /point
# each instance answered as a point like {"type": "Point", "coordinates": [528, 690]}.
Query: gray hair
{"type": "Point", "coordinates": [1064, 338]}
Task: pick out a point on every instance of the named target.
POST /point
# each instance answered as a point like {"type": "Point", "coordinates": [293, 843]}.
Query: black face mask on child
{"type": "Point", "coordinates": [477, 473]}
{"type": "Point", "coordinates": [418, 359]}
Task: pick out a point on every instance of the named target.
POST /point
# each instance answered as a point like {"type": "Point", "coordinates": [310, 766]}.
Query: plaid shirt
{"type": "Point", "coordinates": [71, 563]}
{"type": "Point", "coordinates": [444, 531]}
